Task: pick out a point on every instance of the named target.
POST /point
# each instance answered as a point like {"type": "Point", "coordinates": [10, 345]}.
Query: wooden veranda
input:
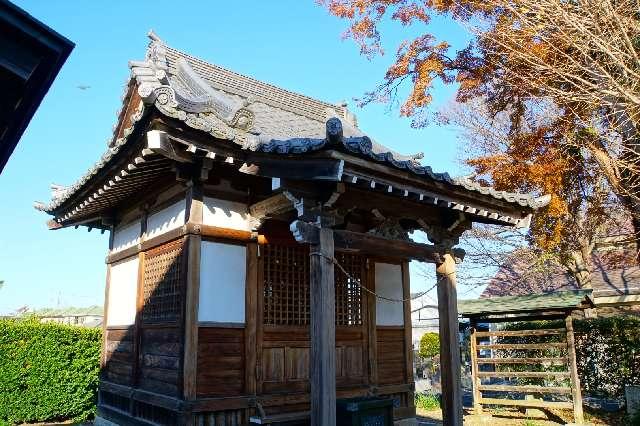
{"type": "Point", "coordinates": [553, 364]}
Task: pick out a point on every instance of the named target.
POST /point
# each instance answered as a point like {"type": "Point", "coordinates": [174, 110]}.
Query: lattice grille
{"type": "Point", "coordinates": [286, 287]}
{"type": "Point", "coordinates": [162, 283]}
{"type": "Point", "coordinates": [348, 290]}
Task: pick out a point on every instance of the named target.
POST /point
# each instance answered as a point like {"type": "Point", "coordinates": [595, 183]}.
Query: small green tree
{"type": "Point", "coordinates": [429, 345]}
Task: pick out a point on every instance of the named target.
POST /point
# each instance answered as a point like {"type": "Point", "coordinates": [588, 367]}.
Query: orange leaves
{"type": "Point", "coordinates": [550, 67]}
{"type": "Point", "coordinates": [534, 162]}
{"type": "Point", "coordinates": [407, 13]}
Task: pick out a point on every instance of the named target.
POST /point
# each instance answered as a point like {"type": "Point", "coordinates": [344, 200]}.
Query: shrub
{"type": "Point", "coordinates": [47, 371]}
{"type": "Point", "coordinates": [427, 401]}
{"type": "Point", "coordinates": [429, 345]}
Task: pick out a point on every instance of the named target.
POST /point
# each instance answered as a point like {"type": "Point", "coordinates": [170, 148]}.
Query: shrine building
{"type": "Point", "coordinates": [258, 263]}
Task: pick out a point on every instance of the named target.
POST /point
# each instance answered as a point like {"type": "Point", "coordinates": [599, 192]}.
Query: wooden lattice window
{"type": "Point", "coordinates": [348, 290]}
{"type": "Point", "coordinates": [286, 285]}
{"type": "Point", "coordinates": [162, 283]}
{"type": "Point", "coordinates": [286, 298]}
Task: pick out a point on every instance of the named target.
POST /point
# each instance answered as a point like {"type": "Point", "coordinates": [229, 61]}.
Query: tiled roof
{"type": "Point", "coordinates": [258, 117]}
{"type": "Point", "coordinates": [525, 303]}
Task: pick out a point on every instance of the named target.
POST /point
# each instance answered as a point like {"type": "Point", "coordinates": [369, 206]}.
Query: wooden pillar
{"type": "Point", "coordinates": [408, 337]}
{"type": "Point", "coordinates": [193, 245]}
{"type": "Point", "coordinates": [475, 380]}
{"type": "Point", "coordinates": [105, 311]}
{"type": "Point", "coordinates": [137, 326]}
{"type": "Point", "coordinates": [372, 335]}
{"type": "Point", "coordinates": [251, 308]}
{"type": "Point", "coordinates": [449, 344]}
{"type": "Point", "coordinates": [578, 416]}
{"type": "Point", "coordinates": [323, 332]}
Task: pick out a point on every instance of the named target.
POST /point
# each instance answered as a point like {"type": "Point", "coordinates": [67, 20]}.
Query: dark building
{"type": "Point", "coordinates": [31, 55]}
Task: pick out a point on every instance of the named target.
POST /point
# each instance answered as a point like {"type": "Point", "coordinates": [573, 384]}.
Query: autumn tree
{"type": "Point", "coordinates": [577, 59]}
{"type": "Point", "coordinates": [580, 212]}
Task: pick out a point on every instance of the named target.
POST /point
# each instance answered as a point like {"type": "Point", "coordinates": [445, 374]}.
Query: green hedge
{"type": "Point", "coordinates": [47, 371]}
{"type": "Point", "coordinates": [607, 352]}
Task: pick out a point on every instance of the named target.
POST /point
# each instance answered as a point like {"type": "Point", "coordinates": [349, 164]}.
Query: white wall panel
{"type": "Point", "coordinates": [225, 214]}
{"type": "Point", "coordinates": [389, 284]}
{"type": "Point", "coordinates": [166, 219]}
{"type": "Point", "coordinates": [126, 236]}
{"type": "Point", "coordinates": [123, 284]}
{"type": "Point", "coordinates": [222, 282]}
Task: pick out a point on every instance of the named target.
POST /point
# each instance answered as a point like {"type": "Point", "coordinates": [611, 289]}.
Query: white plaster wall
{"type": "Point", "coordinates": [225, 214]}
{"type": "Point", "coordinates": [126, 236]}
{"type": "Point", "coordinates": [389, 284]}
{"type": "Point", "coordinates": [166, 219]}
{"type": "Point", "coordinates": [123, 283]}
{"type": "Point", "coordinates": [222, 282]}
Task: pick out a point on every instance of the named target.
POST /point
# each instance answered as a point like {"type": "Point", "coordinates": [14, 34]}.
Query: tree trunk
{"type": "Point", "coordinates": [623, 181]}
{"type": "Point", "coordinates": [578, 267]}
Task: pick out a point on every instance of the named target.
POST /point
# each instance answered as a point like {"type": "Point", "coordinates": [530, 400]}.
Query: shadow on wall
{"type": "Point", "coordinates": [146, 353]}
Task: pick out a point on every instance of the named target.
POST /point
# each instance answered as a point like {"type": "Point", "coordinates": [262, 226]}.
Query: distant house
{"type": "Point", "coordinates": [85, 317]}
{"type": "Point", "coordinates": [424, 317]}
{"type": "Point", "coordinates": [90, 316]}
{"type": "Point", "coordinates": [615, 278]}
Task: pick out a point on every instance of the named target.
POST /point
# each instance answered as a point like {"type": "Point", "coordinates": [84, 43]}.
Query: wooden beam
{"type": "Point", "coordinates": [526, 389]}
{"type": "Point", "coordinates": [523, 346]}
{"type": "Point", "coordinates": [540, 332]}
{"type": "Point", "coordinates": [627, 299]}
{"type": "Point", "coordinates": [551, 360]}
{"type": "Point", "coordinates": [533, 316]}
{"type": "Point", "coordinates": [369, 244]}
{"type": "Point", "coordinates": [160, 143]}
{"type": "Point", "coordinates": [272, 206]}
{"type": "Point", "coordinates": [524, 374]}
{"type": "Point", "coordinates": [526, 403]}
{"type": "Point", "coordinates": [449, 345]}
{"type": "Point", "coordinates": [578, 415]}
{"type": "Point", "coordinates": [323, 336]}
{"type": "Point", "coordinates": [324, 169]}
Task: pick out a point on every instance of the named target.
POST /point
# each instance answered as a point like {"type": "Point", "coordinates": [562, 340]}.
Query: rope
{"type": "Point", "coordinates": [389, 299]}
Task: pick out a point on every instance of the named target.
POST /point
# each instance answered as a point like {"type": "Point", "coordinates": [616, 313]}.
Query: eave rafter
{"type": "Point", "coordinates": [473, 211]}
{"type": "Point", "coordinates": [164, 152]}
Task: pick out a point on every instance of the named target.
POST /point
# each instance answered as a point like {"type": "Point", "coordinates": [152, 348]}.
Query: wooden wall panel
{"type": "Point", "coordinates": [159, 360]}
{"type": "Point", "coordinates": [391, 356]}
{"type": "Point", "coordinates": [284, 362]}
{"type": "Point", "coordinates": [221, 358]}
{"type": "Point", "coordinates": [119, 357]}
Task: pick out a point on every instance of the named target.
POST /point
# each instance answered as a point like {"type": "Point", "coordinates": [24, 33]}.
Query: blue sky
{"type": "Point", "coordinates": [294, 44]}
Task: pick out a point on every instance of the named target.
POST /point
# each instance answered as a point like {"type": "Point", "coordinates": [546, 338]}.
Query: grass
{"type": "Point", "coordinates": [427, 401]}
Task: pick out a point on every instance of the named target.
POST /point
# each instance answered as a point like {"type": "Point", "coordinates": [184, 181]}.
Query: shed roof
{"type": "Point", "coordinates": [560, 300]}
{"type": "Point", "coordinates": [256, 117]}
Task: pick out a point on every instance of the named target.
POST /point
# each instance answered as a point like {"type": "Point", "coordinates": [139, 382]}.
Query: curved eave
{"type": "Point", "coordinates": [150, 82]}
